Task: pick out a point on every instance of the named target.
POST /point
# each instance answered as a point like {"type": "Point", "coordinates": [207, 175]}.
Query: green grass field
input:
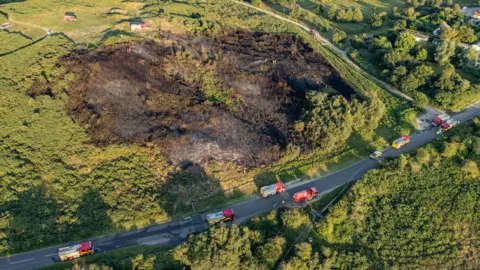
{"type": "Point", "coordinates": [33, 118]}
{"type": "Point", "coordinates": [368, 7]}
{"type": "Point", "coordinates": [10, 41]}
{"type": "Point", "coordinates": [94, 18]}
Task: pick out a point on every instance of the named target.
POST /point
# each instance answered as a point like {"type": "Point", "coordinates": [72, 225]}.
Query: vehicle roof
{"type": "Point", "coordinates": [215, 216]}
{"type": "Point", "coordinates": [228, 212]}
{"type": "Point", "coordinates": [272, 187]}
{"type": "Point", "coordinates": [75, 248]}
{"type": "Point", "coordinates": [269, 187]}
{"type": "Point", "coordinates": [85, 245]}
{"type": "Point", "coordinates": [68, 250]}
{"type": "Point", "coordinates": [300, 194]}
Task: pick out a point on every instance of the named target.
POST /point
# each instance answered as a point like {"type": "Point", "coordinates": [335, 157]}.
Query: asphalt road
{"type": "Point", "coordinates": [174, 233]}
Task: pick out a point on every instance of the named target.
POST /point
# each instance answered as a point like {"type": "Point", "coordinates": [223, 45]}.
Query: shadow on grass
{"type": "Point", "coordinates": [192, 190]}
{"type": "Point", "coordinates": [10, 1]}
{"type": "Point", "coordinates": [35, 219]}
{"type": "Point", "coordinates": [115, 34]}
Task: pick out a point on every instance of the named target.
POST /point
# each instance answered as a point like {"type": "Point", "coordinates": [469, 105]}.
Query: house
{"type": "Point", "coordinates": [138, 26]}
{"type": "Point", "coordinates": [5, 26]}
{"type": "Point", "coordinates": [419, 37]}
{"type": "Point", "coordinates": [70, 16]}
{"type": "Point", "coordinates": [471, 12]}
{"type": "Point", "coordinates": [476, 14]}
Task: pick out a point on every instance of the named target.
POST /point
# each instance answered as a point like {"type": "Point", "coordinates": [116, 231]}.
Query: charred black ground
{"type": "Point", "coordinates": [232, 97]}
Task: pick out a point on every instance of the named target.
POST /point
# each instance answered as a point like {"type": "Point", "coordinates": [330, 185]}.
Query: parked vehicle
{"type": "Point", "coordinates": [437, 121]}
{"type": "Point", "coordinates": [305, 195]}
{"type": "Point", "coordinates": [376, 154]}
{"type": "Point", "coordinates": [447, 126]}
{"type": "Point", "coordinates": [401, 142]}
{"type": "Point", "coordinates": [75, 251]}
{"type": "Point", "coordinates": [271, 190]}
{"type": "Point", "coordinates": [314, 33]}
{"type": "Point", "coordinates": [219, 217]}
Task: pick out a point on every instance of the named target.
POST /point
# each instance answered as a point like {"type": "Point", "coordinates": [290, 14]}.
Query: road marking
{"type": "Point", "coordinates": [49, 255]}
{"type": "Point", "coordinates": [31, 259]}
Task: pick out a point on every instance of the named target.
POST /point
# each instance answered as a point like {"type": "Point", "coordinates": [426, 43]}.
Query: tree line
{"type": "Point", "coordinates": [417, 211]}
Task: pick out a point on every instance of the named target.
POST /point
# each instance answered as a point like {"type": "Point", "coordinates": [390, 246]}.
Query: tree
{"type": "Point", "coordinates": [219, 248]}
{"type": "Point", "coordinates": [91, 267]}
{"type": "Point", "coordinates": [357, 15]}
{"type": "Point", "coordinates": [470, 55]}
{"type": "Point", "coordinates": [140, 263]}
{"type": "Point", "coordinates": [332, 12]}
{"type": "Point", "coordinates": [396, 13]}
{"type": "Point", "coordinates": [295, 11]}
{"type": "Point", "coordinates": [421, 100]}
{"type": "Point", "coordinates": [291, 2]}
{"type": "Point", "coordinates": [416, 79]}
{"type": "Point", "coordinates": [338, 36]}
{"type": "Point", "coordinates": [444, 52]}
{"type": "Point", "coordinates": [405, 42]}
{"type": "Point", "coordinates": [449, 34]}
{"type": "Point", "coordinates": [376, 19]}
{"type": "Point", "coordinates": [400, 71]}
{"type": "Point", "coordinates": [380, 42]}
{"type": "Point", "coordinates": [414, 3]}
{"type": "Point", "coordinates": [466, 34]}
{"type": "Point", "coordinates": [422, 55]}
{"type": "Point", "coordinates": [342, 15]}
{"type": "Point", "coordinates": [256, 3]}
{"type": "Point", "coordinates": [304, 259]}
{"type": "Point", "coordinates": [294, 219]}
{"type": "Point", "coordinates": [400, 25]}
{"type": "Point", "coordinates": [471, 168]}
{"type": "Point", "coordinates": [411, 14]}
{"type": "Point", "coordinates": [436, 3]}
{"type": "Point", "coordinates": [329, 122]}
{"type": "Point", "coordinates": [394, 57]}
{"type": "Point", "coordinates": [272, 251]}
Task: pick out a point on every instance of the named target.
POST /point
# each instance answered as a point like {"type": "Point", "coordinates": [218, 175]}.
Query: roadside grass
{"type": "Point", "coordinates": [39, 60]}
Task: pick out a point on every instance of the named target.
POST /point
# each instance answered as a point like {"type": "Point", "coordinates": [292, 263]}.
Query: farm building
{"type": "Point", "coordinates": [138, 26]}
{"type": "Point", "coordinates": [5, 26]}
{"type": "Point", "coordinates": [476, 14]}
{"type": "Point", "coordinates": [472, 12]}
{"type": "Point", "coordinates": [419, 37]}
{"type": "Point", "coordinates": [70, 16]}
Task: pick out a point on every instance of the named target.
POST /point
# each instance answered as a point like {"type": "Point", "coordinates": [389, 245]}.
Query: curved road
{"type": "Point", "coordinates": [326, 42]}
{"type": "Point", "coordinates": [174, 233]}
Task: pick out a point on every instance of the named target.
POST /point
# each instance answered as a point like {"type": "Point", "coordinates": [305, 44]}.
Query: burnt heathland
{"type": "Point", "coordinates": [237, 97]}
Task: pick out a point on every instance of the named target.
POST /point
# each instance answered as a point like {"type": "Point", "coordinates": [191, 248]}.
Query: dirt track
{"type": "Point", "coordinates": [232, 98]}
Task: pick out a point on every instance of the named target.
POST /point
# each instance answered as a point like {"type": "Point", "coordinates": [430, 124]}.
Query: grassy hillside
{"type": "Point", "coordinates": [415, 212]}
{"type": "Point", "coordinates": [80, 189]}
